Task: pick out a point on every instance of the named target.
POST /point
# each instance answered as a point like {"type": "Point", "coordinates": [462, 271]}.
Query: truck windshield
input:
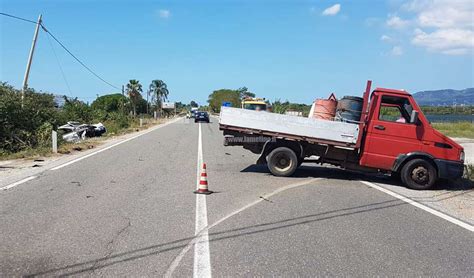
{"type": "Point", "coordinates": [395, 109]}
{"type": "Point", "coordinates": [252, 106]}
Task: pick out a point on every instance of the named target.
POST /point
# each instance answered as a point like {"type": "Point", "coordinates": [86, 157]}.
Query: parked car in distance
{"type": "Point", "coordinates": [194, 110]}
{"type": "Point", "coordinates": [201, 116]}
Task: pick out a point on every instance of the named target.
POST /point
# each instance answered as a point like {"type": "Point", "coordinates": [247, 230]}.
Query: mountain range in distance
{"type": "Point", "coordinates": [445, 97]}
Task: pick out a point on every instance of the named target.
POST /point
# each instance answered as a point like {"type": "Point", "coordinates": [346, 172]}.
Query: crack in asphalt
{"type": "Point", "coordinates": [109, 245]}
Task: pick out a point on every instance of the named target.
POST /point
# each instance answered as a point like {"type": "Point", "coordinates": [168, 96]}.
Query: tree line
{"type": "Point", "coordinates": [28, 124]}
{"type": "Point", "coordinates": [235, 96]}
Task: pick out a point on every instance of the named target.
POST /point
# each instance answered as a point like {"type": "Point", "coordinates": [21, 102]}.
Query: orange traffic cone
{"type": "Point", "coordinates": [202, 189]}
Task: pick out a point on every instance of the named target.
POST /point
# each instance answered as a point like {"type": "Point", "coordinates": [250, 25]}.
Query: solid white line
{"type": "Point", "coordinates": [423, 207]}
{"type": "Point", "coordinates": [174, 264]}
{"type": "Point", "coordinates": [111, 146]}
{"type": "Point", "coordinates": [18, 183]}
{"type": "Point", "coordinates": [202, 257]}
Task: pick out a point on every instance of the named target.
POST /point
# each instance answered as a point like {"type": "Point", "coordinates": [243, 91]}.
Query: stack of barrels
{"type": "Point", "coordinates": [347, 109]}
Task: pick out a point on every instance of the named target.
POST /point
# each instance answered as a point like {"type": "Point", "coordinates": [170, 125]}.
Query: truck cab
{"type": "Point", "coordinates": [251, 103]}
{"type": "Point", "coordinates": [397, 133]}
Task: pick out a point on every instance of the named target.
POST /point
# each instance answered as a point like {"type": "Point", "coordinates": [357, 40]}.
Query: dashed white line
{"type": "Point", "coordinates": [18, 183]}
{"type": "Point", "coordinates": [202, 257]}
{"type": "Point", "coordinates": [421, 206]}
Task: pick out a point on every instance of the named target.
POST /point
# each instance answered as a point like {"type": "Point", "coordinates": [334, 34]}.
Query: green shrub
{"type": "Point", "coordinates": [19, 124]}
{"type": "Point", "coordinates": [26, 128]}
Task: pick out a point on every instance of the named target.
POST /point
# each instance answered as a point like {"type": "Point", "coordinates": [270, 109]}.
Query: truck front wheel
{"type": "Point", "coordinates": [418, 174]}
{"type": "Point", "coordinates": [282, 162]}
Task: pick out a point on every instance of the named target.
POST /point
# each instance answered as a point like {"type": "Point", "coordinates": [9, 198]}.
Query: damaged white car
{"type": "Point", "coordinates": [75, 131]}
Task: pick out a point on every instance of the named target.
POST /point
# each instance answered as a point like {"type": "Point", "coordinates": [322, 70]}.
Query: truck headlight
{"type": "Point", "coordinates": [462, 156]}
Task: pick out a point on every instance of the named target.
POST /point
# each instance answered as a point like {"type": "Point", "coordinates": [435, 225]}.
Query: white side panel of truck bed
{"type": "Point", "coordinates": [279, 123]}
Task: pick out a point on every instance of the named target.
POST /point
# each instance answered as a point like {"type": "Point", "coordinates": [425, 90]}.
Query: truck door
{"type": "Point", "coordinates": [390, 133]}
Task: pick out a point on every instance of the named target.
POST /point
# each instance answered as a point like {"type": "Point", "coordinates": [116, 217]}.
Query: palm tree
{"type": "Point", "coordinates": [159, 91]}
{"type": "Point", "coordinates": [133, 90]}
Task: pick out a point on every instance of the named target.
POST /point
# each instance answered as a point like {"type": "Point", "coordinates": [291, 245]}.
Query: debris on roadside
{"type": "Point", "coordinates": [75, 131]}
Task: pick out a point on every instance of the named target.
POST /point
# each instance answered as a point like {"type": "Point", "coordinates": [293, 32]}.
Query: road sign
{"type": "Point", "coordinates": [168, 105]}
{"type": "Point", "coordinates": [227, 104]}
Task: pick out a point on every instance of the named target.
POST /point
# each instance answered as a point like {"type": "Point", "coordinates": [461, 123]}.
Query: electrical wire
{"type": "Point", "coordinates": [60, 67]}
{"type": "Point", "coordinates": [19, 18]}
{"type": "Point", "coordinates": [65, 48]}
{"type": "Point", "coordinates": [77, 59]}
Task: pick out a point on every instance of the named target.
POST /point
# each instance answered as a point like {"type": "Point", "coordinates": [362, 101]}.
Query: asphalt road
{"type": "Point", "coordinates": [130, 211]}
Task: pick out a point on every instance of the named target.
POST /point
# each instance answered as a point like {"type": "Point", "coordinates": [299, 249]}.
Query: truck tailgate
{"type": "Point", "coordinates": [346, 133]}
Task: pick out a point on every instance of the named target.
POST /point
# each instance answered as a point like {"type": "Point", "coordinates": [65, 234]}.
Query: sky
{"type": "Point", "coordinates": [288, 50]}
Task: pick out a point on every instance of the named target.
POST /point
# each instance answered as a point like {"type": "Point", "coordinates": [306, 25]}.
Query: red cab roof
{"type": "Point", "coordinates": [393, 91]}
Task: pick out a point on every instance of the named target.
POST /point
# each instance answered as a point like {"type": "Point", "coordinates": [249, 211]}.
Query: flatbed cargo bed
{"type": "Point", "coordinates": [289, 127]}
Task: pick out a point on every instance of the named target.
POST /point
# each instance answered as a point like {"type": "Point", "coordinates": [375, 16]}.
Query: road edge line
{"type": "Point", "coordinates": [17, 183]}
{"type": "Point", "coordinates": [421, 206]}
{"type": "Point", "coordinates": [111, 146]}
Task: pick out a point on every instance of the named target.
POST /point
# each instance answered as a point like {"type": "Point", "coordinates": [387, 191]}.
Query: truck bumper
{"type": "Point", "coordinates": [450, 170]}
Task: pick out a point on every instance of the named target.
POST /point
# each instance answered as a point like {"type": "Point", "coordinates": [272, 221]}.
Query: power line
{"type": "Point", "coordinates": [77, 59]}
{"type": "Point", "coordinates": [64, 47]}
{"type": "Point", "coordinates": [59, 64]}
{"type": "Point", "coordinates": [19, 18]}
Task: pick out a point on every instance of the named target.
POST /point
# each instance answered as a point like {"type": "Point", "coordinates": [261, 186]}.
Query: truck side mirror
{"type": "Point", "coordinates": [414, 117]}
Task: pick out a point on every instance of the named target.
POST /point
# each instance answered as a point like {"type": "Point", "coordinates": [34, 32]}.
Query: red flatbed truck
{"type": "Point", "coordinates": [392, 136]}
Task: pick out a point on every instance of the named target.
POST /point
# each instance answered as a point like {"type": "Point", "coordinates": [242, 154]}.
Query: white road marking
{"type": "Point", "coordinates": [18, 183]}
{"type": "Point", "coordinates": [202, 257]}
{"type": "Point", "coordinates": [205, 230]}
{"type": "Point", "coordinates": [421, 206]}
{"type": "Point", "coordinates": [111, 146]}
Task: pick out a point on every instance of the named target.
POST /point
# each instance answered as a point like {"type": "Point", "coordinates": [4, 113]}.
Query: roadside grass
{"type": "Point", "coordinates": [459, 130]}
{"type": "Point", "coordinates": [113, 129]}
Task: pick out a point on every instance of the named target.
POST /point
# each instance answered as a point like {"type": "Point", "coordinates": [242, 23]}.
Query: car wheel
{"type": "Point", "coordinates": [282, 162]}
{"type": "Point", "coordinates": [418, 174]}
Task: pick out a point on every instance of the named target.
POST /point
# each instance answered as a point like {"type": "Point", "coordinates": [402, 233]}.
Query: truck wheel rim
{"type": "Point", "coordinates": [420, 175]}
{"type": "Point", "coordinates": [283, 162]}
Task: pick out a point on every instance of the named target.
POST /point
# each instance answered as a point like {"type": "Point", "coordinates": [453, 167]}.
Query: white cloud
{"type": "Point", "coordinates": [333, 10]}
{"type": "Point", "coordinates": [164, 13]}
{"type": "Point", "coordinates": [443, 26]}
{"type": "Point", "coordinates": [386, 38]}
{"type": "Point", "coordinates": [396, 22]}
{"type": "Point", "coordinates": [447, 41]}
{"type": "Point", "coordinates": [396, 51]}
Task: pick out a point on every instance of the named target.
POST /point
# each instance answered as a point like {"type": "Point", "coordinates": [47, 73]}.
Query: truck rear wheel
{"type": "Point", "coordinates": [282, 162]}
{"type": "Point", "coordinates": [418, 174]}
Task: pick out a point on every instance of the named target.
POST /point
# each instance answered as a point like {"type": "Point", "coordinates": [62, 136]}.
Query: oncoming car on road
{"type": "Point", "coordinates": [201, 117]}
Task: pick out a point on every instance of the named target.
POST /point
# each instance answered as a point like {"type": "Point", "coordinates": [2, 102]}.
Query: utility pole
{"type": "Point", "coordinates": [123, 104]}
{"type": "Point", "coordinates": [147, 104]}
{"type": "Point", "coordinates": [30, 58]}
